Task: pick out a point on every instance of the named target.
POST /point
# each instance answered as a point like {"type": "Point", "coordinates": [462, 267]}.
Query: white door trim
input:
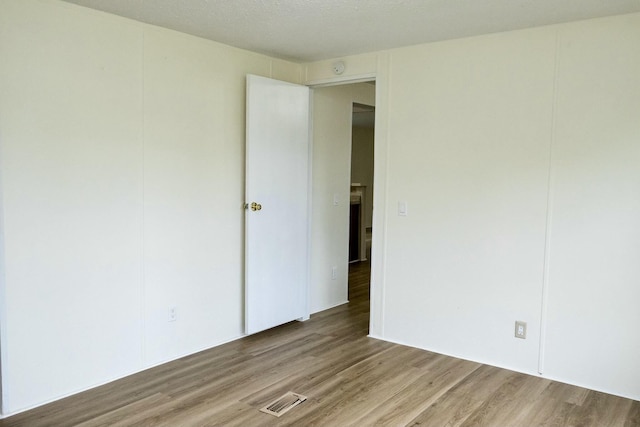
{"type": "Point", "coordinates": [378, 238]}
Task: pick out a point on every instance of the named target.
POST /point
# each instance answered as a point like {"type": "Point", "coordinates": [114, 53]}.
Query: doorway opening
{"type": "Point", "coordinates": [361, 200]}
{"type": "Point", "coordinates": [361, 197]}
{"type": "Point", "coordinates": [335, 124]}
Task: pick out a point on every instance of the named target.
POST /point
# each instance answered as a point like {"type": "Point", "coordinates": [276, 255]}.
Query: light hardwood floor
{"type": "Point", "coordinates": [350, 380]}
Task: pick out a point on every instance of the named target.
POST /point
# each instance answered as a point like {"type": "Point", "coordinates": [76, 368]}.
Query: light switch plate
{"type": "Point", "coordinates": [402, 208]}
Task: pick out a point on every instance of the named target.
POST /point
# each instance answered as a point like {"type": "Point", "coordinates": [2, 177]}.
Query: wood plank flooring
{"type": "Point", "coordinates": [350, 380]}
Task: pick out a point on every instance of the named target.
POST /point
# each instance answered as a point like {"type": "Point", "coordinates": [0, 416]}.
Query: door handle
{"type": "Point", "coordinates": [256, 206]}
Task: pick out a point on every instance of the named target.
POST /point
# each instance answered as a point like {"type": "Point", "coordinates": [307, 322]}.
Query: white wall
{"type": "Point", "coordinates": [518, 156]}
{"type": "Point", "coordinates": [594, 268]}
{"type": "Point", "coordinates": [470, 122]}
{"type": "Point", "coordinates": [71, 172]}
{"type": "Point", "coordinates": [122, 171]}
{"type": "Point", "coordinates": [332, 117]}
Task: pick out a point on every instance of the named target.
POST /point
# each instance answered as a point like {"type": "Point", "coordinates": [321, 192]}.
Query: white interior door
{"type": "Point", "coordinates": [276, 218]}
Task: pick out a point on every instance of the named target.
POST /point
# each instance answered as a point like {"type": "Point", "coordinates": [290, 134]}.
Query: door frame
{"type": "Point", "coordinates": [379, 216]}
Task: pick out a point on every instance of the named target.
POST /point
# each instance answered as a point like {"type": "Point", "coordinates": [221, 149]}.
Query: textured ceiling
{"type": "Point", "coordinates": [310, 30]}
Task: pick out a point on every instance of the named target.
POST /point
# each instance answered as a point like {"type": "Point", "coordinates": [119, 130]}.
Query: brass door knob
{"type": "Point", "coordinates": [256, 206]}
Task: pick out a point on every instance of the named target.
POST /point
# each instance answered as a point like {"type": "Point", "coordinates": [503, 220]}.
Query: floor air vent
{"type": "Point", "coordinates": [283, 404]}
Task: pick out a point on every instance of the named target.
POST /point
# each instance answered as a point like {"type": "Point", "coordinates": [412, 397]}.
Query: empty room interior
{"type": "Point", "coordinates": [496, 277]}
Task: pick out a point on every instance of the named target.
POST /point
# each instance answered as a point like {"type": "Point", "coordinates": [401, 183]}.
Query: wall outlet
{"type": "Point", "coordinates": [173, 314]}
{"type": "Point", "coordinates": [334, 272]}
{"type": "Point", "coordinates": [521, 329]}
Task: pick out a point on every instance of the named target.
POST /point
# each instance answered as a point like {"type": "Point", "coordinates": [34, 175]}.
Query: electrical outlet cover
{"type": "Point", "coordinates": [521, 329]}
{"type": "Point", "coordinates": [173, 314]}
